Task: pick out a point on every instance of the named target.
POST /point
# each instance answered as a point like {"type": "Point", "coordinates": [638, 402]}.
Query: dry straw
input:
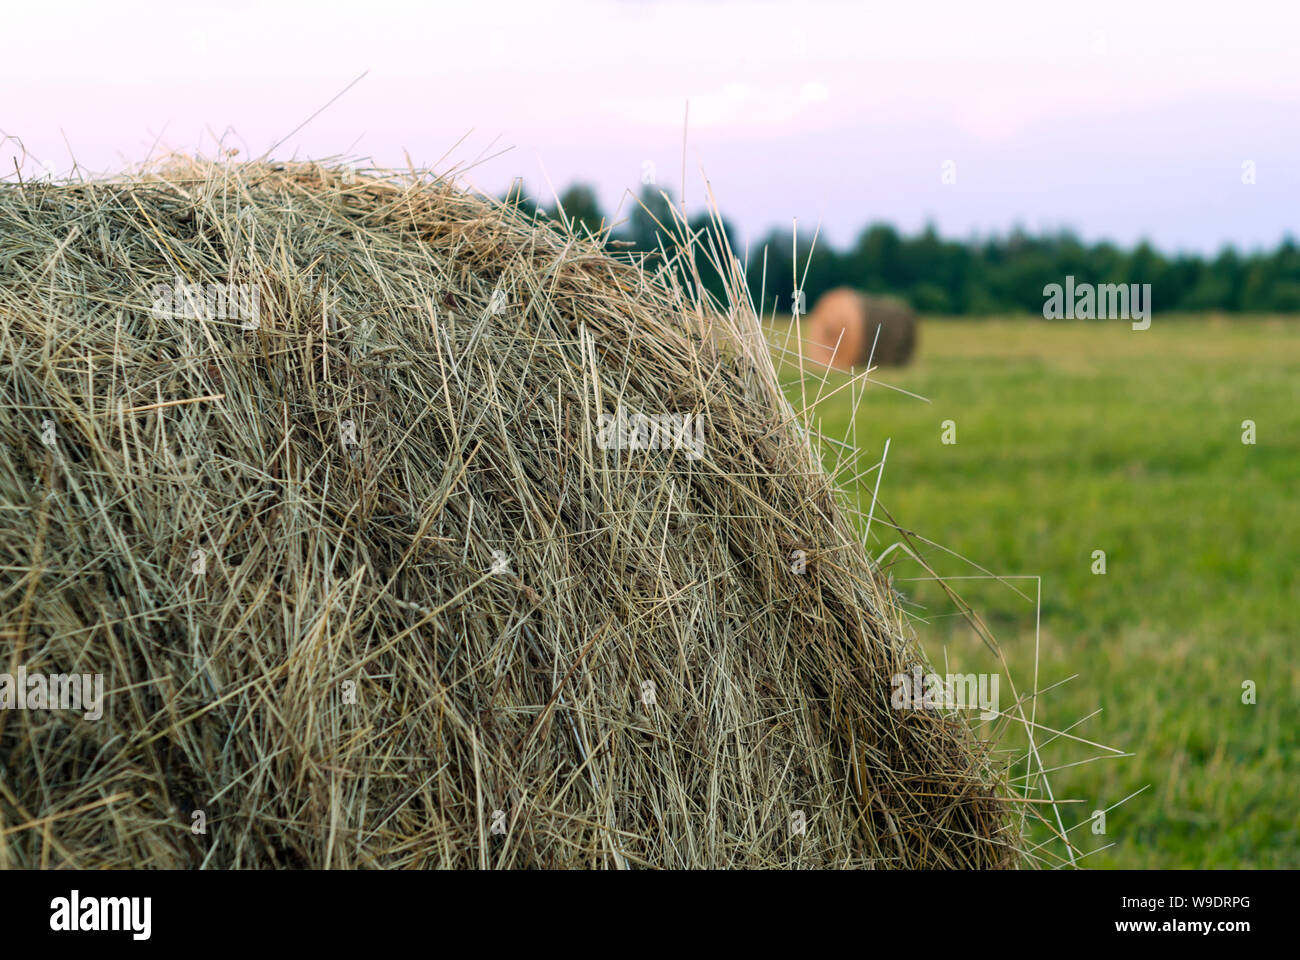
{"type": "Point", "coordinates": [366, 589]}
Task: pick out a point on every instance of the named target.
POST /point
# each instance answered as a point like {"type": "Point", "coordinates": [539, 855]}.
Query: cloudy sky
{"type": "Point", "coordinates": [1120, 120]}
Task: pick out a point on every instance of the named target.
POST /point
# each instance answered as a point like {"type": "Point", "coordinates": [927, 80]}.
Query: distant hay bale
{"type": "Point", "coordinates": [406, 531]}
{"type": "Point", "coordinates": [842, 329]}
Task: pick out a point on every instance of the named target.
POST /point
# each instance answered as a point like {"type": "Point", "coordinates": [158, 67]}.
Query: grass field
{"type": "Point", "coordinates": [1074, 437]}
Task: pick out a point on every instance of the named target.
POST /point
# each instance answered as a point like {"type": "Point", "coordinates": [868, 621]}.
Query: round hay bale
{"type": "Point", "coordinates": [842, 330]}
{"type": "Point", "coordinates": [407, 532]}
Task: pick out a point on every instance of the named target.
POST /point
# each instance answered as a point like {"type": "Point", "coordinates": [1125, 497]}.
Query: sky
{"type": "Point", "coordinates": [1173, 122]}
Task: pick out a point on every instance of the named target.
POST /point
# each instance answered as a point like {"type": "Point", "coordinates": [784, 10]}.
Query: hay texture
{"type": "Point", "coordinates": [368, 588]}
{"type": "Point", "coordinates": [842, 329]}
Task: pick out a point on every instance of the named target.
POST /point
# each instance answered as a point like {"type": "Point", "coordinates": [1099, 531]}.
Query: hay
{"type": "Point", "coordinates": [366, 590]}
{"type": "Point", "coordinates": [842, 330]}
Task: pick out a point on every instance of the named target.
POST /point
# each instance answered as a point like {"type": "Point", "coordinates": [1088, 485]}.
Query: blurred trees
{"type": "Point", "coordinates": [582, 208]}
{"type": "Point", "coordinates": [992, 275]}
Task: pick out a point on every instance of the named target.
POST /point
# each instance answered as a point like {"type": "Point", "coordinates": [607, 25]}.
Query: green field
{"type": "Point", "coordinates": [1074, 437]}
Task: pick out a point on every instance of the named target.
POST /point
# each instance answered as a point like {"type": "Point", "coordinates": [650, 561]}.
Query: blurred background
{"type": "Point", "coordinates": [959, 156]}
{"type": "Point", "coordinates": [951, 153]}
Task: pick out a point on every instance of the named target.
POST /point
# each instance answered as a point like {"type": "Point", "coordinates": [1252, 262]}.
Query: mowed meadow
{"type": "Point", "coordinates": [1076, 437]}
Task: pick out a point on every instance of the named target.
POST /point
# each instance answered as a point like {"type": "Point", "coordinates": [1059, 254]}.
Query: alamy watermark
{"type": "Point", "coordinates": [664, 431]}
{"type": "Point", "coordinates": [916, 690]}
{"type": "Point", "coordinates": [236, 302]}
{"type": "Point", "coordinates": [81, 692]}
{"type": "Point", "coordinates": [1108, 301]}
{"type": "Point", "coordinates": [75, 913]}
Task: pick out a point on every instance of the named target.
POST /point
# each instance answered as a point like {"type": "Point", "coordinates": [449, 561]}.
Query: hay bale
{"type": "Point", "coordinates": [307, 466]}
{"type": "Point", "coordinates": [842, 329]}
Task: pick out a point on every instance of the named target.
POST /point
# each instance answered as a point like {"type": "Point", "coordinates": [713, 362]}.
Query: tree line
{"type": "Point", "coordinates": [1000, 274]}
